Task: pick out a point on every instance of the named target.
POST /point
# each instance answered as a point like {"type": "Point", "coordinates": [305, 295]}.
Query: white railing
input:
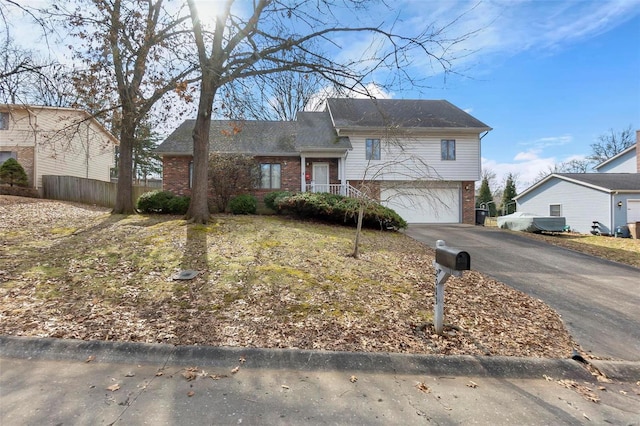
{"type": "Point", "coordinates": [337, 189]}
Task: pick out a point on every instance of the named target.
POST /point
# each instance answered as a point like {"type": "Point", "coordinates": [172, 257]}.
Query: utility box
{"type": "Point", "coordinates": [452, 258]}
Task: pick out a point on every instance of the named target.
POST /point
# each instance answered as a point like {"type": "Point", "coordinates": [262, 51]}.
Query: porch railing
{"type": "Point", "coordinates": [337, 189]}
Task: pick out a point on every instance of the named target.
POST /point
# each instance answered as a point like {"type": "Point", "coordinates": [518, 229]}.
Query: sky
{"type": "Point", "coordinates": [548, 76]}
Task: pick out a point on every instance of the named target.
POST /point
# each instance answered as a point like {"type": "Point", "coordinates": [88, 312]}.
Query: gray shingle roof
{"type": "Point", "coordinates": [311, 130]}
{"type": "Point", "coordinates": [610, 181]}
{"type": "Point", "coordinates": [368, 113]}
{"type": "Point", "coordinates": [249, 137]}
{"type": "Point", "coordinates": [315, 131]}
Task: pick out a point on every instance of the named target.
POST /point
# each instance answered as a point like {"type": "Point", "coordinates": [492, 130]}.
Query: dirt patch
{"type": "Point", "coordinates": [72, 271]}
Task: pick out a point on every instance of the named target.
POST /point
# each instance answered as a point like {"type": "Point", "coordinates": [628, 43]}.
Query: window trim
{"type": "Point", "coordinates": [372, 147]}
{"type": "Point", "coordinates": [446, 153]}
{"type": "Point", "coordinates": [559, 206]}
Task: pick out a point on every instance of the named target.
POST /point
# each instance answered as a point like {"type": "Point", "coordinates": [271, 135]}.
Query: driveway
{"type": "Point", "coordinates": [599, 300]}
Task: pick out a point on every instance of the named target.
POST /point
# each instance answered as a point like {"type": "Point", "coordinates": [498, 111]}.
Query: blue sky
{"type": "Point", "coordinates": [548, 76]}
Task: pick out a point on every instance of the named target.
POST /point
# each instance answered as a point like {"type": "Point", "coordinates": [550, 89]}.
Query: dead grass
{"type": "Point", "coordinates": [622, 250]}
{"type": "Point", "coordinates": [73, 271]}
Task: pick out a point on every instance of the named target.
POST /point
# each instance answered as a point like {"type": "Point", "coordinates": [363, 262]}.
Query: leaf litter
{"type": "Point", "coordinates": [75, 271]}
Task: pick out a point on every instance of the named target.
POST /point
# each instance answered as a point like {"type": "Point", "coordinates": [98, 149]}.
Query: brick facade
{"type": "Point", "coordinates": [468, 202]}
{"type": "Point", "coordinates": [175, 174]}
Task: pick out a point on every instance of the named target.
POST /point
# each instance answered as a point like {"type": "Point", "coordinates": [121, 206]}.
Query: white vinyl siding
{"type": "Point", "coordinates": [626, 163]}
{"type": "Point", "coordinates": [580, 205]}
{"type": "Point", "coordinates": [422, 202]}
{"type": "Point", "coordinates": [413, 158]}
{"type": "Point", "coordinates": [65, 142]}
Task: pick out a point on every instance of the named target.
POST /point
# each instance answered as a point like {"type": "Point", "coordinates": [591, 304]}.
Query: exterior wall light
{"type": "Point", "coordinates": [619, 204]}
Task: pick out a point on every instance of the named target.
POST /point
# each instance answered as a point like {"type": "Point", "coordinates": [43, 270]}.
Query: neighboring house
{"type": "Point", "coordinates": [610, 197]}
{"type": "Point", "coordinates": [419, 157]}
{"type": "Point", "coordinates": [55, 141]}
{"type": "Point", "coordinates": [627, 161]}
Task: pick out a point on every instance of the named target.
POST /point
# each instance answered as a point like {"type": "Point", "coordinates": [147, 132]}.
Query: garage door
{"type": "Point", "coordinates": [423, 205]}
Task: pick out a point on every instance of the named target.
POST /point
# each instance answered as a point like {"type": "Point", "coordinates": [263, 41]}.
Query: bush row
{"type": "Point", "coordinates": [338, 209]}
{"type": "Point", "coordinates": [307, 205]}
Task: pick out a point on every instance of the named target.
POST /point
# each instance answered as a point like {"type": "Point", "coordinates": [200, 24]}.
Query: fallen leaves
{"type": "Point", "coordinates": [114, 387]}
{"type": "Point", "coordinates": [422, 387]}
{"type": "Point", "coordinates": [585, 391]}
{"type": "Point", "coordinates": [112, 280]}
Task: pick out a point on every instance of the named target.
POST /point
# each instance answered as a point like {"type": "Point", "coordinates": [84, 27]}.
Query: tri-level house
{"type": "Point", "coordinates": [419, 157]}
{"type": "Point", "coordinates": [55, 141]}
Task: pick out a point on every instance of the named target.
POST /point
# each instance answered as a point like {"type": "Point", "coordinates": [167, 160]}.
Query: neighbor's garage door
{"type": "Point", "coordinates": [423, 205]}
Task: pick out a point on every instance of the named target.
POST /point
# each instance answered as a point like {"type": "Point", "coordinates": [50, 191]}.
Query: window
{"type": "Point", "coordinates": [555, 210]}
{"type": "Point", "coordinates": [4, 120]}
{"type": "Point", "coordinates": [5, 155]}
{"type": "Point", "coordinates": [448, 149]}
{"type": "Point", "coordinates": [373, 149]}
{"type": "Point", "coordinates": [270, 176]}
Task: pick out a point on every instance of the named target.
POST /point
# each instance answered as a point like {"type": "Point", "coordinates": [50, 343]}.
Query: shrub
{"type": "Point", "coordinates": [243, 204]}
{"type": "Point", "coordinates": [19, 191]}
{"type": "Point", "coordinates": [12, 173]}
{"type": "Point", "coordinates": [338, 209]}
{"type": "Point", "coordinates": [271, 198]}
{"type": "Point", "coordinates": [155, 202]}
{"type": "Point", "coordinates": [178, 205]}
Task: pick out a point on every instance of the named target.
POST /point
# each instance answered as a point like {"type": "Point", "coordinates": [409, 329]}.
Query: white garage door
{"type": "Point", "coordinates": [423, 205]}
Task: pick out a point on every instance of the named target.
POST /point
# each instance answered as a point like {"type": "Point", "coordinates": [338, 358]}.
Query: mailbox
{"type": "Point", "coordinates": [453, 258]}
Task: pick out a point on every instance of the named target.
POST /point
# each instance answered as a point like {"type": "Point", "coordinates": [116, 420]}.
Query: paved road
{"type": "Point", "coordinates": [598, 300]}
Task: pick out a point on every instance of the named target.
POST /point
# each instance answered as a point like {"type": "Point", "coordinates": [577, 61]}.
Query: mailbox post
{"type": "Point", "coordinates": [449, 261]}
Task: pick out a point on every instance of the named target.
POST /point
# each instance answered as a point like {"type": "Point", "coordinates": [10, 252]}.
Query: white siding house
{"type": "Point", "coordinates": [625, 162]}
{"type": "Point", "coordinates": [56, 141]}
{"type": "Point", "coordinates": [428, 160]}
{"type": "Point", "coordinates": [608, 199]}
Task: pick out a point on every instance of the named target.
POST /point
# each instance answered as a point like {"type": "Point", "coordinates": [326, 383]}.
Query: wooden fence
{"type": "Point", "coordinates": [86, 191]}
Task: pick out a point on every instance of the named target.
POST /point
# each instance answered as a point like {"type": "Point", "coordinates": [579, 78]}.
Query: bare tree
{"type": "Point", "coordinates": [610, 144]}
{"type": "Point", "coordinates": [134, 52]}
{"type": "Point", "coordinates": [251, 42]}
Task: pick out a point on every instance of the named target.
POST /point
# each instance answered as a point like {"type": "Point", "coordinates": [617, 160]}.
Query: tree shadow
{"type": "Point", "coordinates": [195, 257]}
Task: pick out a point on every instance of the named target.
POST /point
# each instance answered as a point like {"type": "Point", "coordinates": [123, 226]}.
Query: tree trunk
{"type": "Point", "coordinates": [356, 245]}
{"type": "Point", "coordinates": [124, 202]}
{"type": "Point", "coordinates": [199, 206]}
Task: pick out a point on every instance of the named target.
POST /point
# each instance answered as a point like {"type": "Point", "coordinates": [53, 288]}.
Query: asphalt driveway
{"type": "Point", "coordinates": [599, 300]}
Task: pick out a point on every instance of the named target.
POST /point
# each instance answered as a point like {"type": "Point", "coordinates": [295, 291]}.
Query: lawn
{"type": "Point", "coordinates": [74, 271]}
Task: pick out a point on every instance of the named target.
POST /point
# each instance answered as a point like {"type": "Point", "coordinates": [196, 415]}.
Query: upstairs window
{"type": "Point", "coordinates": [373, 149]}
{"type": "Point", "coordinates": [448, 149]}
{"type": "Point", "coordinates": [555, 210]}
{"type": "Point", "coordinates": [270, 176]}
{"type": "Point", "coordinates": [4, 120]}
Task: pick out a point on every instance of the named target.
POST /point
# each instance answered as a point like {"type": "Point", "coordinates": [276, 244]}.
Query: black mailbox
{"type": "Point", "coordinates": [453, 258]}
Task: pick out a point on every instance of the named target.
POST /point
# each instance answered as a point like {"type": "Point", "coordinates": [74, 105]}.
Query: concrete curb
{"type": "Point", "coordinates": [308, 360]}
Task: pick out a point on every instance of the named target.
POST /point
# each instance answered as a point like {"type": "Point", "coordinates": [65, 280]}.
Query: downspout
{"type": "Point", "coordinates": [87, 162]}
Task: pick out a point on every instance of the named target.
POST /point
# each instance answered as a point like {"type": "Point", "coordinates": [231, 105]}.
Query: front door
{"type": "Point", "coordinates": [320, 177]}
